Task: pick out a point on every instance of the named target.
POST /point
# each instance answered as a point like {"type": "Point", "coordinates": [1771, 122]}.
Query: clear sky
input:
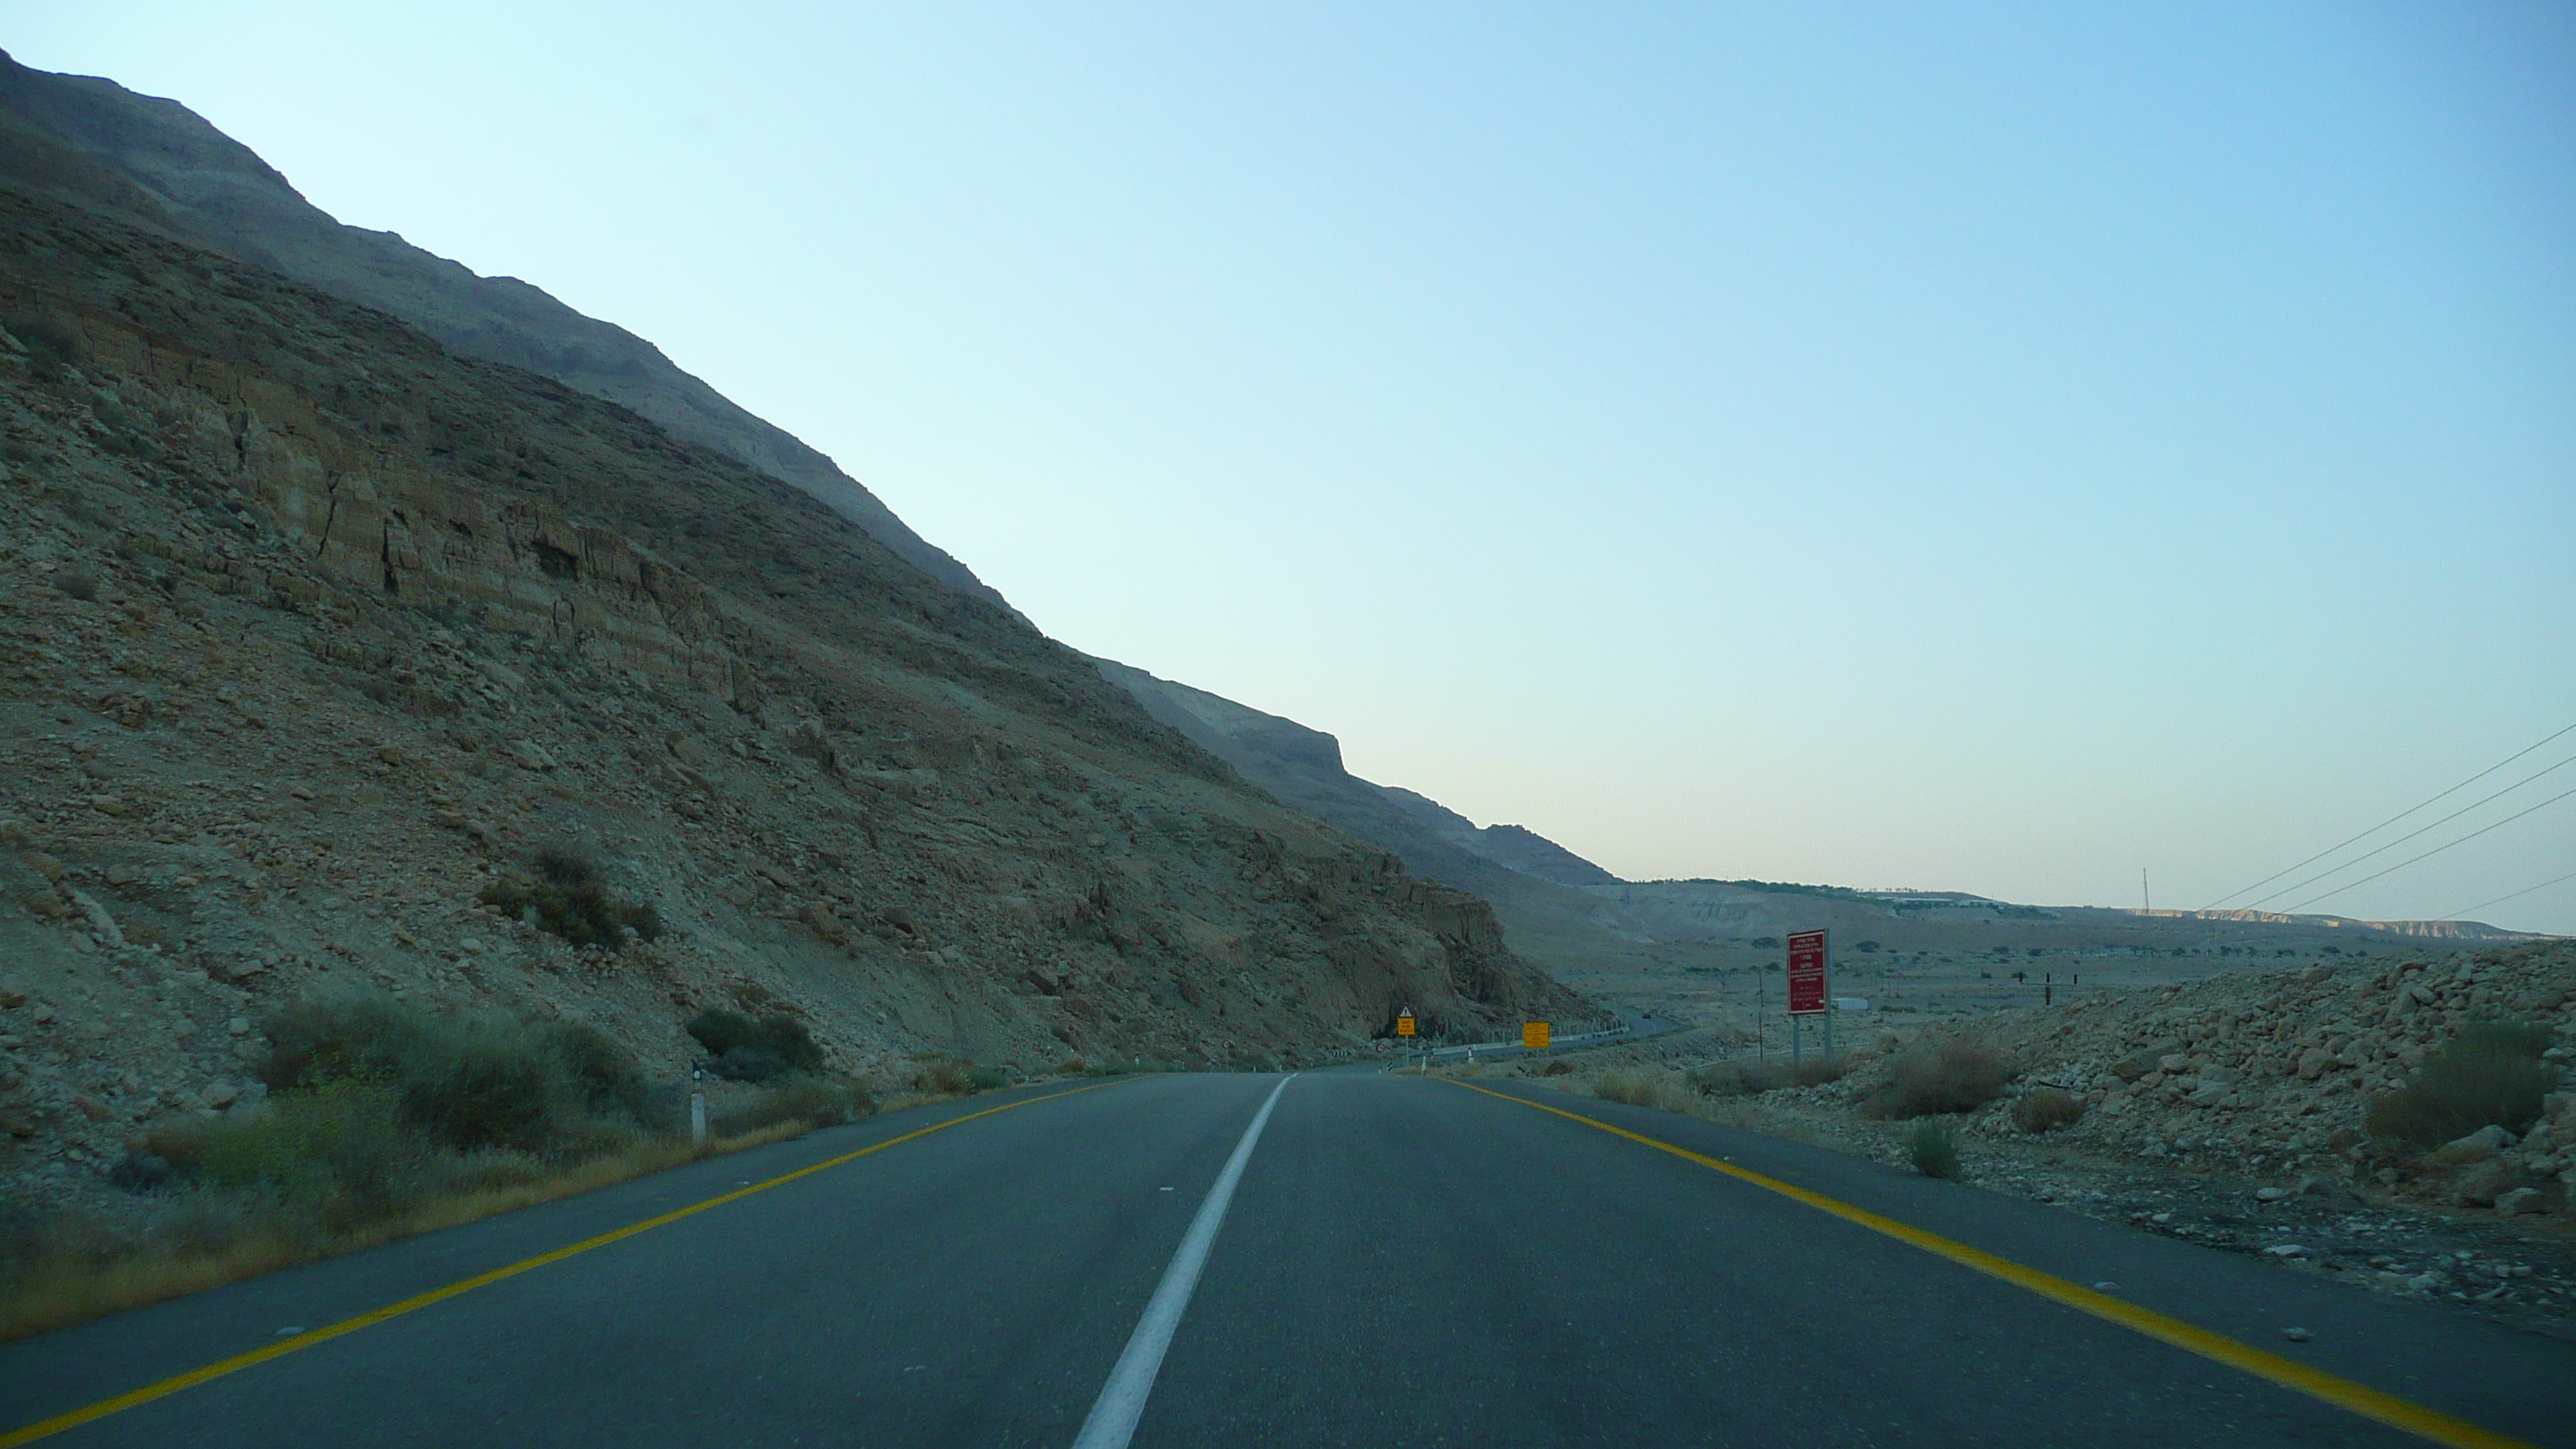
{"type": "Point", "coordinates": [1996, 448]}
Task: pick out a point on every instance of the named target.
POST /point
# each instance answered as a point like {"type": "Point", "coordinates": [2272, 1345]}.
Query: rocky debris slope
{"type": "Point", "coordinates": [312, 635]}
{"type": "Point", "coordinates": [2231, 1112]}
{"type": "Point", "coordinates": [2276, 1072]}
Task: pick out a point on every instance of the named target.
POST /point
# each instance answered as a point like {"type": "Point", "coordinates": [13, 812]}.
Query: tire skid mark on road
{"type": "Point", "coordinates": [46, 1428]}
{"type": "Point", "coordinates": [2370, 1403]}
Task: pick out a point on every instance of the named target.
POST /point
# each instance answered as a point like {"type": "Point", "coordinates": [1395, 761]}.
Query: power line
{"type": "Point", "coordinates": [2382, 825]}
{"type": "Point", "coordinates": [2436, 850]}
{"type": "Point", "coordinates": [2411, 834]}
{"type": "Point", "coordinates": [2509, 895]}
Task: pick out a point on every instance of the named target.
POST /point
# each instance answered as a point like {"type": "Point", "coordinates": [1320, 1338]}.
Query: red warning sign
{"type": "Point", "coordinates": [1807, 974]}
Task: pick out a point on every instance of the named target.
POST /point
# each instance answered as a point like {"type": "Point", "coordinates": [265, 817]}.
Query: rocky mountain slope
{"type": "Point", "coordinates": [313, 632]}
{"type": "Point", "coordinates": [162, 165]}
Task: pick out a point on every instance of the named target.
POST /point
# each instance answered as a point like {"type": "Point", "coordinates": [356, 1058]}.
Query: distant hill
{"type": "Point", "coordinates": [1572, 915]}
{"type": "Point", "coordinates": [92, 141]}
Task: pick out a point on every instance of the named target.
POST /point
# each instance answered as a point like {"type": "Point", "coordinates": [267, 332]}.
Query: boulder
{"type": "Point", "coordinates": [2482, 1184]}
{"type": "Point", "coordinates": [2478, 1146]}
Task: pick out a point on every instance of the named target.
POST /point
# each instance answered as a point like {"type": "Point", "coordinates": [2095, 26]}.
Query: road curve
{"type": "Point", "coordinates": [1402, 1261]}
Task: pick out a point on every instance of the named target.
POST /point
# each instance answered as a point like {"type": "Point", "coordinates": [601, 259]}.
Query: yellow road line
{"type": "Point", "coordinates": [2343, 1393]}
{"type": "Point", "coordinates": [193, 1377]}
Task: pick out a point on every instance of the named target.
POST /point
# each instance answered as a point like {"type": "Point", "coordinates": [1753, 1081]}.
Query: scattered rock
{"type": "Point", "coordinates": [2296, 1335]}
{"type": "Point", "coordinates": [2518, 1201]}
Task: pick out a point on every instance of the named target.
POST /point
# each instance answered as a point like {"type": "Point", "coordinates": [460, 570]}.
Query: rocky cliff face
{"type": "Point", "coordinates": [162, 165]}
{"type": "Point", "coordinates": [311, 630]}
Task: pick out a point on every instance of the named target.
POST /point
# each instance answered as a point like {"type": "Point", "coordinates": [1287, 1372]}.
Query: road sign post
{"type": "Point", "coordinates": [1809, 989]}
{"type": "Point", "coordinates": [1404, 1022]}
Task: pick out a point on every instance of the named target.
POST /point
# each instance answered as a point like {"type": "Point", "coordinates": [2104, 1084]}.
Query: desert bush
{"type": "Point", "coordinates": [960, 1077]}
{"type": "Point", "coordinates": [2492, 1072]}
{"type": "Point", "coordinates": [1664, 1091]}
{"type": "Point", "coordinates": [815, 1101]}
{"type": "Point", "coordinates": [610, 1083]}
{"type": "Point", "coordinates": [572, 901]}
{"type": "Point", "coordinates": [2047, 1109]}
{"type": "Point", "coordinates": [467, 1083]}
{"type": "Point", "coordinates": [744, 1050]}
{"type": "Point", "coordinates": [1934, 1149]}
{"type": "Point", "coordinates": [1958, 1075]}
{"type": "Point", "coordinates": [1746, 1078]}
{"type": "Point", "coordinates": [1558, 1068]}
{"type": "Point", "coordinates": [340, 1151]}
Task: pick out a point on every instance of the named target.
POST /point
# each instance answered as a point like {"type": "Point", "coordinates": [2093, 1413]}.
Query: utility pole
{"type": "Point", "coordinates": [2146, 902]}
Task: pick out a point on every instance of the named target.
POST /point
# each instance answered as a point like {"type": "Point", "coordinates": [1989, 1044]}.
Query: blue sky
{"type": "Point", "coordinates": [1986, 447]}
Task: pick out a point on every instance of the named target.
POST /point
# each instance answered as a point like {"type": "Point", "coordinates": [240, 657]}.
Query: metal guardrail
{"type": "Point", "coordinates": [1500, 1050]}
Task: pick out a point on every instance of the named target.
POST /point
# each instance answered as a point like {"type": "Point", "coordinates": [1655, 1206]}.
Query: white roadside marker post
{"type": "Point", "coordinates": [697, 1105]}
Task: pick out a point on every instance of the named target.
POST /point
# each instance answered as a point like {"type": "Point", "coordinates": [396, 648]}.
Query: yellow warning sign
{"type": "Point", "coordinates": [1534, 1035]}
{"type": "Point", "coordinates": [1404, 1022]}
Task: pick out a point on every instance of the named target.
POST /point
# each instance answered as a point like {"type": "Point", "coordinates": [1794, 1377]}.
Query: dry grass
{"type": "Point", "coordinates": [1752, 1076]}
{"type": "Point", "coordinates": [1664, 1091]}
{"type": "Point", "coordinates": [1958, 1075]}
{"type": "Point", "coordinates": [72, 1281]}
{"type": "Point", "coordinates": [2048, 1109]}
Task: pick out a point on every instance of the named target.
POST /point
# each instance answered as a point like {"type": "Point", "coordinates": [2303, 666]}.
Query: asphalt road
{"type": "Point", "coordinates": [1402, 1262]}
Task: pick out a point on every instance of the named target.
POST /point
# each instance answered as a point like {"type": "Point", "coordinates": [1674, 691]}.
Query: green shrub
{"type": "Point", "coordinates": [610, 1083]}
{"type": "Point", "coordinates": [1958, 1075]}
{"type": "Point", "coordinates": [987, 1079]}
{"type": "Point", "coordinates": [744, 1050]}
{"type": "Point", "coordinates": [817, 1101]}
{"type": "Point", "coordinates": [572, 902]}
{"type": "Point", "coordinates": [2491, 1072]}
{"type": "Point", "coordinates": [340, 1150]}
{"type": "Point", "coordinates": [465, 1083]}
{"type": "Point", "coordinates": [2047, 1109]}
{"type": "Point", "coordinates": [1934, 1149]}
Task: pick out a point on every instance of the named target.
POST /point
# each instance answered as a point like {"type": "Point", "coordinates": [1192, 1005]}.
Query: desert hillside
{"type": "Point", "coordinates": [156, 162]}
{"type": "Point", "coordinates": [315, 634]}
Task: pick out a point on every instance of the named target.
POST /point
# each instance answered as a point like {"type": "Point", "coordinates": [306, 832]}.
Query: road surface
{"type": "Point", "coordinates": [1400, 1261]}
